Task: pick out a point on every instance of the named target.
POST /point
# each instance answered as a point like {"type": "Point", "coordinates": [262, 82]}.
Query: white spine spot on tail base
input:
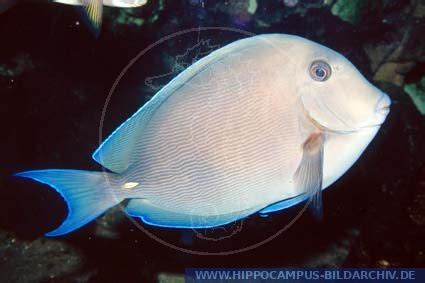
{"type": "Point", "coordinates": [130, 185]}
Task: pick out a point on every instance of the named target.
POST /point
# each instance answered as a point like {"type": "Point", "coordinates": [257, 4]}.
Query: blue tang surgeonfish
{"type": "Point", "coordinates": [258, 125]}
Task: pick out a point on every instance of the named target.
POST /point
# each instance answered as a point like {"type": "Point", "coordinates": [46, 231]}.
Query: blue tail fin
{"type": "Point", "coordinates": [87, 194]}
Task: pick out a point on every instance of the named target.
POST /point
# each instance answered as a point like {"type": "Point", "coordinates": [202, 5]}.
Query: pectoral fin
{"type": "Point", "coordinates": [93, 11]}
{"type": "Point", "coordinates": [309, 174]}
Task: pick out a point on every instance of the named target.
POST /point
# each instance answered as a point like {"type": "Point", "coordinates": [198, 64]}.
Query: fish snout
{"type": "Point", "coordinates": [383, 105]}
{"type": "Point", "coordinates": [379, 112]}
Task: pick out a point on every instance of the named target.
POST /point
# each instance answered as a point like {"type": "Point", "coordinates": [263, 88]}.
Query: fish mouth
{"type": "Point", "coordinates": [385, 110]}
{"type": "Point", "coordinates": [382, 109]}
{"type": "Point", "coordinates": [383, 105]}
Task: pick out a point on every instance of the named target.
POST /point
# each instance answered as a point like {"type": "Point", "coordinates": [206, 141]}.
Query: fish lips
{"type": "Point", "coordinates": [382, 109]}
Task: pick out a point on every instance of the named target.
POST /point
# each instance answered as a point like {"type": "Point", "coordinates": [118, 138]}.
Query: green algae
{"type": "Point", "coordinates": [124, 17]}
{"type": "Point", "coordinates": [349, 10]}
{"type": "Point", "coordinates": [416, 92]}
{"type": "Point", "coordinates": [20, 64]}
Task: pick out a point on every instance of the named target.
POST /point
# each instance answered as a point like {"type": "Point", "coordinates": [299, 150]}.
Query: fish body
{"type": "Point", "coordinates": [258, 125]}
{"type": "Point", "coordinates": [110, 3]}
{"type": "Point", "coordinates": [93, 9]}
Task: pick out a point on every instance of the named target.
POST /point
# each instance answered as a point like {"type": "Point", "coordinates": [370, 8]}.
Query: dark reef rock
{"type": "Point", "coordinates": [40, 260]}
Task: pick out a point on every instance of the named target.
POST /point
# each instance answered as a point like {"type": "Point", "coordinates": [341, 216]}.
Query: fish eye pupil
{"type": "Point", "coordinates": [320, 73]}
{"type": "Point", "coordinates": [320, 70]}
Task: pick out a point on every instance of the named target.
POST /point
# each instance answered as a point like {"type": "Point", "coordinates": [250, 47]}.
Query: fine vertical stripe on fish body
{"type": "Point", "coordinates": [221, 132]}
{"type": "Point", "coordinates": [258, 125]}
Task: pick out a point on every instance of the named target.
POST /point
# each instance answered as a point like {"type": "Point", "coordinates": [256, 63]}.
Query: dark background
{"type": "Point", "coordinates": [54, 80]}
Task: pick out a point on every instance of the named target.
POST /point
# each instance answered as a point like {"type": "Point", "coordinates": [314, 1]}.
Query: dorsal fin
{"type": "Point", "coordinates": [116, 151]}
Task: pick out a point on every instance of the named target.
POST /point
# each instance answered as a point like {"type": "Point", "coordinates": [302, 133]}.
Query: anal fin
{"type": "Point", "coordinates": [284, 204]}
{"type": "Point", "coordinates": [153, 215]}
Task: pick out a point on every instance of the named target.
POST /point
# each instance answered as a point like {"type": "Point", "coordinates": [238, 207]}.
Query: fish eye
{"type": "Point", "coordinates": [320, 71]}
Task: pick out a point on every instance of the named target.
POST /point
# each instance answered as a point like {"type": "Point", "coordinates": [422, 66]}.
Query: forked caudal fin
{"type": "Point", "coordinates": [87, 194]}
